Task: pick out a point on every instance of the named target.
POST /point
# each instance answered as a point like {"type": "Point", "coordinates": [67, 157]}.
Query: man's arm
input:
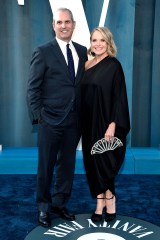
{"type": "Point", "coordinates": [34, 91]}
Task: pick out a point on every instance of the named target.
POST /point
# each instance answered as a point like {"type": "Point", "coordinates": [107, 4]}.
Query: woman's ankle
{"type": "Point", "coordinates": [111, 205]}
{"type": "Point", "coordinates": [110, 202]}
{"type": "Point", "coordinates": [100, 203]}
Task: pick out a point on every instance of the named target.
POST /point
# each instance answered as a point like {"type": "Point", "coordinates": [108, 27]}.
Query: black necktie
{"type": "Point", "coordinates": [70, 63]}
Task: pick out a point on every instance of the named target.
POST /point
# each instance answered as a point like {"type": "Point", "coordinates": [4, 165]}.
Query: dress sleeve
{"type": "Point", "coordinates": [120, 110]}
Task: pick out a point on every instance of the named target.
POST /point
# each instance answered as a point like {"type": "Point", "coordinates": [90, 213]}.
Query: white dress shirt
{"type": "Point", "coordinates": [62, 45]}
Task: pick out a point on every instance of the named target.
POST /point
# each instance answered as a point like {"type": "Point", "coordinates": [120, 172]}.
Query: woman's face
{"type": "Point", "coordinates": [98, 44]}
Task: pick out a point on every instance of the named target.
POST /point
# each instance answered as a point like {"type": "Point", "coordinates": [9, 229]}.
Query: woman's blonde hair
{"type": "Point", "coordinates": [108, 37]}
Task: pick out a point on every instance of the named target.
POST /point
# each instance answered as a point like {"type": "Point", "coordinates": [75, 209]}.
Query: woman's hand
{"type": "Point", "coordinates": [109, 134]}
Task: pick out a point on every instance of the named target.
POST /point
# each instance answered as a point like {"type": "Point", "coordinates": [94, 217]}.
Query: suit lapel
{"type": "Point", "coordinates": [60, 57]}
{"type": "Point", "coordinates": [79, 63]}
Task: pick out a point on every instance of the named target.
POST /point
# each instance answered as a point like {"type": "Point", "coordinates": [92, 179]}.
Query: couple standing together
{"type": "Point", "coordinates": [70, 96]}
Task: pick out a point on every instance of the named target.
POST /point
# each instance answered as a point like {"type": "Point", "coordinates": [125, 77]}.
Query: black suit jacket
{"type": "Point", "coordinates": [51, 92]}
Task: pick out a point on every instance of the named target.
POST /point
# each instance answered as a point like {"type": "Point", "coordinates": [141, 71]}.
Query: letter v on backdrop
{"type": "Point", "coordinates": [81, 33]}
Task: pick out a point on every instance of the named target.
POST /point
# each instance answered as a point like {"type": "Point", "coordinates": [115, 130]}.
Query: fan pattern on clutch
{"type": "Point", "coordinates": [103, 145]}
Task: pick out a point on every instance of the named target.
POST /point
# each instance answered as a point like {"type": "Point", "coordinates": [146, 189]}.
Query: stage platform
{"type": "Point", "coordinates": [24, 161]}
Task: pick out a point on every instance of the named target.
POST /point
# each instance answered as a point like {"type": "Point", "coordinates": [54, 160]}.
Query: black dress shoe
{"type": "Point", "coordinates": [109, 216]}
{"type": "Point", "coordinates": [63, 213]}
{"type": "Point", "coordinates": [44, 219]}
{"type": "Point", "coordinates": [96, 217]}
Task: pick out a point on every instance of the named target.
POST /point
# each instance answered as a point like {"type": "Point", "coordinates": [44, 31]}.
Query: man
{"type": "Point", "coordinates": [54, 101]}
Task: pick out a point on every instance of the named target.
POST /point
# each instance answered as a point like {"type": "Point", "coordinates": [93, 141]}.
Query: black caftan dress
{"type": "Point", "coordinates": [104, 100]}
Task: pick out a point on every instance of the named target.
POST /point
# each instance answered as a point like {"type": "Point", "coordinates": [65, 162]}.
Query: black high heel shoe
{"type": "Point", "coordinates": [97, 217]}
{"type": "Point", "coordinates": [110, 216]}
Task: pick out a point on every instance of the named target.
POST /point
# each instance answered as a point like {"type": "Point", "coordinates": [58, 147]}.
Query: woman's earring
{"type": "Point", "coordinates": [92, 53]}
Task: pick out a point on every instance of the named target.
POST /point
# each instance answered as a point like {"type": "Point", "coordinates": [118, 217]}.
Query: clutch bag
{"type": "Point", "coordinates": [103, 145]}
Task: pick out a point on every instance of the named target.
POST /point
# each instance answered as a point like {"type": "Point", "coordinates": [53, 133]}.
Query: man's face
{"type": "Point", "coordinates": [63, 25]}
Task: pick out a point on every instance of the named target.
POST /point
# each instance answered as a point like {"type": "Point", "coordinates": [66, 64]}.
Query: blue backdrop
{"type": "Point", "coordinates": [134, 24]}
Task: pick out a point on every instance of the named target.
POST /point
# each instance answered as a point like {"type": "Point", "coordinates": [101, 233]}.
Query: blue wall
{"type": "Point", "coordinates": [135, 27]}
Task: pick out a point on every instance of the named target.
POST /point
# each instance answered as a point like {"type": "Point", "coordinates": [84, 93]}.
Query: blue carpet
{"type": "Point", "coordinates": [137, 196]}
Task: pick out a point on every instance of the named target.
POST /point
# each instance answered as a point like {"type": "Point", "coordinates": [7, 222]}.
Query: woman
{"type": "Point", "coordinates": [105, 114]}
